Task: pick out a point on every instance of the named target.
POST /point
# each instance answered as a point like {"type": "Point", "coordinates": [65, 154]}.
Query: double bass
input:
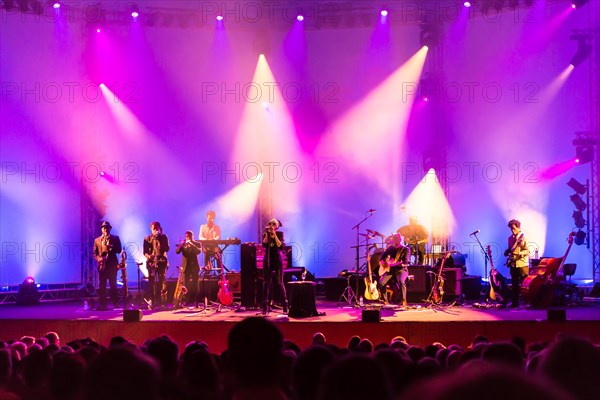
{"type": "Point", "coordinates": [537, 289]}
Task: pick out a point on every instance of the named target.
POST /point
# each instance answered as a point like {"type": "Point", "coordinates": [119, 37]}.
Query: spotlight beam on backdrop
{"type": "Point", "coordinates": [370, 136]}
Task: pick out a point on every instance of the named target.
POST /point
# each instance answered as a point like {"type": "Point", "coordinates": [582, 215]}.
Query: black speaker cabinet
{"type": "Point", "coordinates": [371, 315]}
{"type": "Point", "coordinates": [248, 275]}
{"type": "Point", "coordinates": [132, 315]}
{"type": "Point", "coordinates": [557, 314]}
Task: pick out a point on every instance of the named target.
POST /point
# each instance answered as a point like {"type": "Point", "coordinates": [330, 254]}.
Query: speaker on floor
{"type": "Point", "coordinates": [557, 314]}
{"type": "Point", "coordinates": [132, 315]}
{"type": "Point", "coordinates": [371, 315]}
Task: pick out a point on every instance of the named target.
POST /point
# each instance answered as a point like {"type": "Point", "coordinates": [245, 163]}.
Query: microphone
{"type": "Point", "coordinates": [475, 233]}
{"type": "Point", "coordinates": [372, 211]}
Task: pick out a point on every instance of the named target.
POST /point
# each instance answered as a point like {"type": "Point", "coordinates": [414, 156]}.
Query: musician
{"type": "Point", "coordinates": [106, 248]}
{"type": "Point", "coordinates": [156, 247]}
{"type": "Point", "coordinates": [416, 236]}
{"type": "Point", "coordinates": [518, 259]}
{"type": "Point", "coordinates": [393, 270]}
{"type": "Point", "coordinates": [210, 231]}
{"type": "Point", "coordinates": [189, 250]}
{"type": "Point", "coordinates": [273, 264]}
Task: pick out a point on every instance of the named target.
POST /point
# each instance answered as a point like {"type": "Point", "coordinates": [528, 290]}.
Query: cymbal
{"type": "Point", "coordinates": [375, 233]}
{"type": "Point", "coordinates": [366, 235]}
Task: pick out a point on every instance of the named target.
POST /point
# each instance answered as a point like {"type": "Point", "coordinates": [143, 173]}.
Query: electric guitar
{"type": "Point", "coordinates": [371, 292]}
{"type": "Point", "coordinates": [496, 279]}
{"type": "Point", "coordinates": [437, 290]}
{"type": "Point", "coordinates": [224, 295]}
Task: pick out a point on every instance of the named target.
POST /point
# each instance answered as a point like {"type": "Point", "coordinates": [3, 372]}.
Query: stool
{"type": "Point", "coordinates": [301, 296]}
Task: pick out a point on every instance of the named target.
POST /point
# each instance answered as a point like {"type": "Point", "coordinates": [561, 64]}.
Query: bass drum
{"type": "Point", "coordinates": [375, 258]}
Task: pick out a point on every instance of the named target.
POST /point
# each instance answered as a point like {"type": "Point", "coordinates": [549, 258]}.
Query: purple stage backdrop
{"type": "Point", "coordinates": [332, 121]}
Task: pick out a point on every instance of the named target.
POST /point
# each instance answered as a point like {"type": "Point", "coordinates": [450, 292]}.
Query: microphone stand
{"type": "Point", "coordinates": [486, 258]}
{"type": "Point", "coordinates": [357, 227]}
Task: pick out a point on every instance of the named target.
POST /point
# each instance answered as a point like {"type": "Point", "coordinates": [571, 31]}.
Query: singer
{"type": "Point", "coordinates": [106, 248]}
{"type": "Point", "coordinates": [155, 247]}
{"type": "Point", "coordinates": [273, 265]}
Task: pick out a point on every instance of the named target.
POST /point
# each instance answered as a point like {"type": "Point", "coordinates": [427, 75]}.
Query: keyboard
{"type": "Point", "coordinates": [221, 242]}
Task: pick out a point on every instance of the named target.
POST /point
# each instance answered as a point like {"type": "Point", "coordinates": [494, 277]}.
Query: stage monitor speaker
{"type": "Point", "coordinates": [452, 281]}
{"type": "Point", "coordinates": [420, 283]}
{"type": "Point", "coordinates": [371, 315]}
{"type": "Point", "coordinates": [132, 315]}
{"type": "Point", "coordinates": [471, 287]}
{"type": "Point", "coordinates": [234, 282]}
{"type": "Point", "coordinates": [557, 315]}
{"type": "Point", "coordinates": [248, 274]}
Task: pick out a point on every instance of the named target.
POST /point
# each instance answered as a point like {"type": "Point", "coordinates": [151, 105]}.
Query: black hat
{"type": "Point", "coordinates": [105, 224]}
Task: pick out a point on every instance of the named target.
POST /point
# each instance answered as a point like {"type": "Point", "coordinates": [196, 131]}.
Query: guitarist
{"type": "Point", "coordinates": [517, 259]}
{"type": "Point", "coordinates": [393, 270]}
{"type": "Point", "coordinates": [189, 250]}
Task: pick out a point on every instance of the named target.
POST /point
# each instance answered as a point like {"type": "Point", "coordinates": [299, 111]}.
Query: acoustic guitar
{"type": "Point", "coordinates": [496, 280]}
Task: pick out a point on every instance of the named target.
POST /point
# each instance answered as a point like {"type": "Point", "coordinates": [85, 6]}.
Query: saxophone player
{"type": "Point", "coordinates": [189, 250]}
{"type": "Point", "coordinates": [156, 246]}
{"type": "Point", "coordinates": [106, 248]}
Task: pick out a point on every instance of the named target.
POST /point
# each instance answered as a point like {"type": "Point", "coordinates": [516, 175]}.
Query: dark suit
{"type": "Point", "coordinates": [106, 255]}
{"type": "Point", "coordinates": [157, 247]}
{"type": "Point", "coordinates": [191, 268]}
{"type": "Point", "coordinates": [273, 270]}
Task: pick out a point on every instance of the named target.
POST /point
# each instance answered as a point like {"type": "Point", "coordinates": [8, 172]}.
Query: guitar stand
{"type": "Point", "coordinates": [348, 295]}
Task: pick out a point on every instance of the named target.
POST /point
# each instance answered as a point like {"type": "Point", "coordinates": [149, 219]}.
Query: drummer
{"type": "Point", "coordinates": [416, 236]}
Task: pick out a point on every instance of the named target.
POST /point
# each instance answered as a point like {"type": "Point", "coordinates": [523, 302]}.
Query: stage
{"type": "Point", "coordinates": [419, 324]}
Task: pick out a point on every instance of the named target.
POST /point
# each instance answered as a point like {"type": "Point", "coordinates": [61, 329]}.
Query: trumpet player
{"type": "Point", "coordinates": [189, 250]}
{"type": "Point", "coordinates": [156, 246]}
{"type": "Point", "coordinates": [106, 248]}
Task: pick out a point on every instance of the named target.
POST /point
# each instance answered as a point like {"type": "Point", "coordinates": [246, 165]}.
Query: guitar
{"type": "Point", "coordinates": [224, 295]}
{"type": "Point", "coordinates": [437, 290]}
{"type": "Point", "coordinates": [371, 292]}
{"type": "Point", "coordinates": [512, 258]}
{"type": "Point", "coordinates": [496, 279]}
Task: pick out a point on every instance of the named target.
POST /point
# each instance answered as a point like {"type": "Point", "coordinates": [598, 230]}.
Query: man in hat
{"type": "Point", "coordinates": [273, 265]}
{"type": "Point", "coordinates": [106, 248]}
{"type": "Point", "coordinates": [156, 246]}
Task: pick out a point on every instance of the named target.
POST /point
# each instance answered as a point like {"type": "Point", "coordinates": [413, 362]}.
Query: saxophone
{"type": "Point", "coordinates": [180, 289]}
{"type": "Point", "coordinates": [105, 247]}
{"type": "Point", "coordinates": [123, 267]}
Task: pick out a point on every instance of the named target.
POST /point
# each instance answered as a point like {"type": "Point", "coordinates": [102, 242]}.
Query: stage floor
{"type": "Point", "coordinates": [419, 324]}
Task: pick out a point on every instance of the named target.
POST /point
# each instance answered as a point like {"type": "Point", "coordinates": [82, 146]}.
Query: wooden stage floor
{"type": "Point", "coordinates": [419, 324]}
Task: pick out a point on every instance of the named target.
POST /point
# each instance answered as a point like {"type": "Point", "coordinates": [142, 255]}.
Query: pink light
{"type": "Point", "coordinates": [425, 99]}
{"type": "Point", "coordinates": [98, 30]}
{"type": "Point", "coordinates": [219, 18]}
{"type": "Point", "coordinates": [467, 4]}
{"type": "Point", "coordinates": [135, 14]}
{"type": "Point", "coordinates": [56, 5]}
{"type": "Point", "coordinates": [574, 6]}
{"type": "Point", "coordinates": [300, 18]}
{"type": "Point", "coordinates": [577, 161]}
{"type": "Point", "coordinates": [384, 13]}
{"type": "Point", "coordinates": [29, 280]}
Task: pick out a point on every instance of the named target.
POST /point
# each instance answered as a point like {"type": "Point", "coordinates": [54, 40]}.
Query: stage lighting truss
{"type": "Point", "coordinates": [430, 35]}
{"type": "Point", "coordinates": [579, 220]}
{"type": "Point", "coordinates": [579, 188]}
{"type": "Point", "coordinates": [585, 144]}
{"type": "Point", "coordinates": [579, 237]}
{"type": "Point", "coordinates": [578, 202]}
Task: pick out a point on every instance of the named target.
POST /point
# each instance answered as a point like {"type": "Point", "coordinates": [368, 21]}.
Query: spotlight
{"type": "Point", "coordinates": [578, 218]}
{"type": "Point", "coordinates": [135, 14]}
{"type": "Point", "coordinates": [578, 3]}
{"type": "Point", "coordinates": [28, 292]}
{"type": "Point", "coordinates": [56, 5]}
{"type": "Point", "coordinates": [579, 237]}
{"type": "Point", "coordinates": [584, 48]}
{"type": "Point", "coordinates": [584, 154]}
{"type": "Point", "coordinates": [429, 35]}
{"type": "Point", "coordinates": [384, 13]}
{"type": "Point", "coordinates": [219, 18]}
{"type": "Point", "coordinates": [579, 204]}
{"type": "Point", "coordinates": [300, 18]}
{"type": "Point", "coordinates": [576, 186]}
{"type": "Point", "coordinates": [467, 4]}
